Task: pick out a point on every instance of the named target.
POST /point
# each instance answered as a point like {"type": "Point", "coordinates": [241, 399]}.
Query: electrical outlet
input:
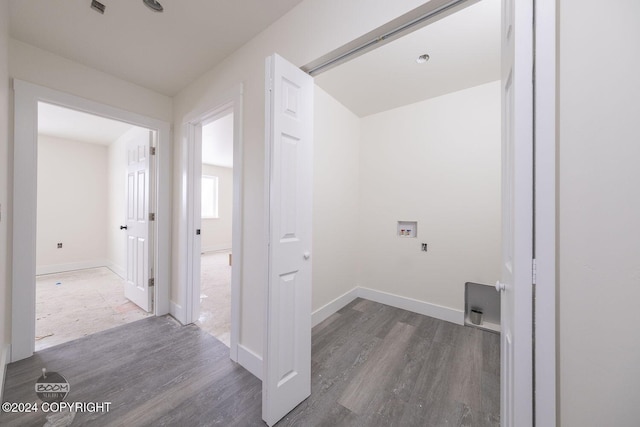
{"type": "Point", "coordinates": [424, 247]}
{"type": "Point", "coordinates": [59, 245]}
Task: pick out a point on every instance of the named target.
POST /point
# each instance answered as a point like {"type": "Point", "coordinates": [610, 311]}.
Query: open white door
{"type": "Point", "coordinates": [139, 282]}
{"type": "Point", "coordinates": [289, 151]}
{"type": "Point", "coordinates": [194, 240]}
{"type": "Point", "coordinates": [517, 215]}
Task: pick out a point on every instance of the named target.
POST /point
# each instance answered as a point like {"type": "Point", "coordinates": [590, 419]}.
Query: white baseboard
{"type": "Point", "coordinates": [332, 307]}
{"type": "Point", "coordinates": [177, 312]}
{"type": "Point", "coordinates": [4, 359]}
{"type": "Point", "coordinates": [117, 270]}
{"type": "Point", "coordinates": [216, 248]}
{"type": "Point", "coordinates": [60, 268]}
{"type": "Point", "coordinates": [250, 361]}
{"type": "Point", "coordinates": [432, 310]}
{"type": "Point", "coordinates": [253, 362]}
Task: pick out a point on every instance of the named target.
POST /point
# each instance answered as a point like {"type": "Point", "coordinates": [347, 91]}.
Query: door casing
{"type": "Point", "coordinates": [23, 263]}
{"type": "Point", "coordinates": [189, 246]}
{"type": "Point", "coordinates": [545, 144]}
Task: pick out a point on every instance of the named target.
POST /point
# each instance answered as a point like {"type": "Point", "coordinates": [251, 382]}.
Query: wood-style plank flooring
{"type": "Point", "coordinates": [372, 365]}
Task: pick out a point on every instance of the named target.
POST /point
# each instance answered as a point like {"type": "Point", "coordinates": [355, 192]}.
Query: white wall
{"type": "Point", "coordinates": [436, 162]}
{"type": "Point", "coordinates": [336, 143]}
{"type": "Point", "coordinates": [599, 211]}
{"type": "Point", "coordinates": [216, 232]}
{"type": "Point", "coordinates": [5, 171]}
{"type": "Point", "coordinates": [32, 64]}
{"type": "Point", "coordinates": [72, 205]}
{"type": "Point", "coordinates": [310, 30]}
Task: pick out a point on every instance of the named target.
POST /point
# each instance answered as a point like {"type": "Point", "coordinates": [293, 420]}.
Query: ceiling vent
{"type": "Point", "coordinates": [153, 5]}
{"type": "Point", "coordinates": [98, 7]}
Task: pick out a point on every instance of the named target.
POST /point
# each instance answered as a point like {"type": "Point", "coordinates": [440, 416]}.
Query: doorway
{"type": "Point", "coordinates": [211, 245]}
{"type": "Point", "coordinates": [81, 246]}
{"type": "Point", "coordinates": [216, 227]}
{"type": "Point", "coordinates": [27, 98]}
{"type": "Point", "coordinates": [515, 106]}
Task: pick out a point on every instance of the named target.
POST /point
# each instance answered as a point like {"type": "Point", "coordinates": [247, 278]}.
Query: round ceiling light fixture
{"type": "Point", "coordinates": [422, 59]}
{"type": "Point", "coordinates": [153, 5]}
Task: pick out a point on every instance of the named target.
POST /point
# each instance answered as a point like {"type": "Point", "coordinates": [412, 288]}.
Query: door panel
{"type": "Point", "coordinates": [517, 214]}
{"type": "Point", "coordinates": [287, 356]}
{"type": "Point", "coordinates": [195, 239]}
{"type": "Point", "coordinates": [137, 287]}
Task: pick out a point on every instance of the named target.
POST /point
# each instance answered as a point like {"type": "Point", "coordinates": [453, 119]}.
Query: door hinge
{"type": "Point", "coordinates": [152, 151]}
{"type": "Point", "coordinates": [152, 282]}
{"type": "Point", "coordinates": [534, 270]}
{"type": "Point", "coordinates": [152, 217]}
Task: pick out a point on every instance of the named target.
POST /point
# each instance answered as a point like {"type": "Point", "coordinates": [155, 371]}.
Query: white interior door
{"type": "Point", "coordinates": [138, 287]}
{"type": "Point", "coordinates": [517, 215]}
{"type": "Point", "coordinates": [289, 132]}
{"type": "Point", "coordinates": [195, 241]}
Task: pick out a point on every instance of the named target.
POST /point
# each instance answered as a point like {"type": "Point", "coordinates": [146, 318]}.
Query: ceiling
{"type": "Point", "coordinates": [68, 124]}
{"type": "Point", "coordinates": [163, 52]}
{"type": "Point", "coordinates": [78, 126]}
{"type": "Point", "coordinates": [464, 50]}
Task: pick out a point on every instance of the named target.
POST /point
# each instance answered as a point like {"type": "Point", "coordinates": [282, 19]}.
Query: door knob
{"type": "Point", "coordinates": [123, 227]}
{"type": "Point", "coordinates": [306, 255]}
{"type": "Point", "coordinates": [500, 286]}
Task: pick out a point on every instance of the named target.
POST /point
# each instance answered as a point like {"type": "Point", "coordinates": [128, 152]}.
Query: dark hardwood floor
{"type": "Point", "coordinates": [372, 365]}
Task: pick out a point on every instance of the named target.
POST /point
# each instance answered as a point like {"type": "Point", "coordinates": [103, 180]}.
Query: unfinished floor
{"type": "Point", "coordinates": [74, 304]}
{"type": "Point", "coordinates": [372, 365]}
{"type": "Point", "coordinates": [215, 295]}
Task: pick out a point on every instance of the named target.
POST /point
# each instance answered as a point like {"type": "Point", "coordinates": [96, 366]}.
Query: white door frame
{"type": "Point", "coordinates": [545, 212]}
{"type": "Point", "coordinates": [23, 305]}
{"type": "Point", "coordinates": [189, 247]}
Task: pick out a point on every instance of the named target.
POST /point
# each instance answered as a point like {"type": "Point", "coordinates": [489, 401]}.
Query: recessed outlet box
{"type": "Point", "coordinates": [59, 245]}
{"type": "Point", "coordinates": [424, 247]}
{"type": "Point", "coordinates": [408, 229]}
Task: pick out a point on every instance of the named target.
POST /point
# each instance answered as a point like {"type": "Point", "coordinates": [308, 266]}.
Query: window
{"type": "Point", "coordinates": [209, 196]}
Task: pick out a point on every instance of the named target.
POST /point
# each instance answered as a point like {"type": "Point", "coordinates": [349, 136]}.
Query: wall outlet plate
{"type": "Point", "coordinates": [408, 229]}
{"type": "Point", "coordinates": [424, 247]}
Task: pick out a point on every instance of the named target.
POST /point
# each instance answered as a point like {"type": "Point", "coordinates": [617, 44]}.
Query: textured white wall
{"type": "Point", "coordinates": [436, 162]}
{"type": "Point", "coordinates": [336, 142]}
{"type": "Point", "coordinates": [599, 211]}
{"type": "Point", "coordinates": [310, 30]}
{"type": "Point", "coordinates": [72, 203]}
{"type": "Point", "coordinates": [216, 232]}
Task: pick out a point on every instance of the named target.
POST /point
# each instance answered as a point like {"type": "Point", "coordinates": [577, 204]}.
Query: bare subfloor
{"type": "Point", "coordinates": [372, 365]}
{"type": "Point", "coordinates": [74, 304]}
{"type": "Point", "coordinates": [215, 295]}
